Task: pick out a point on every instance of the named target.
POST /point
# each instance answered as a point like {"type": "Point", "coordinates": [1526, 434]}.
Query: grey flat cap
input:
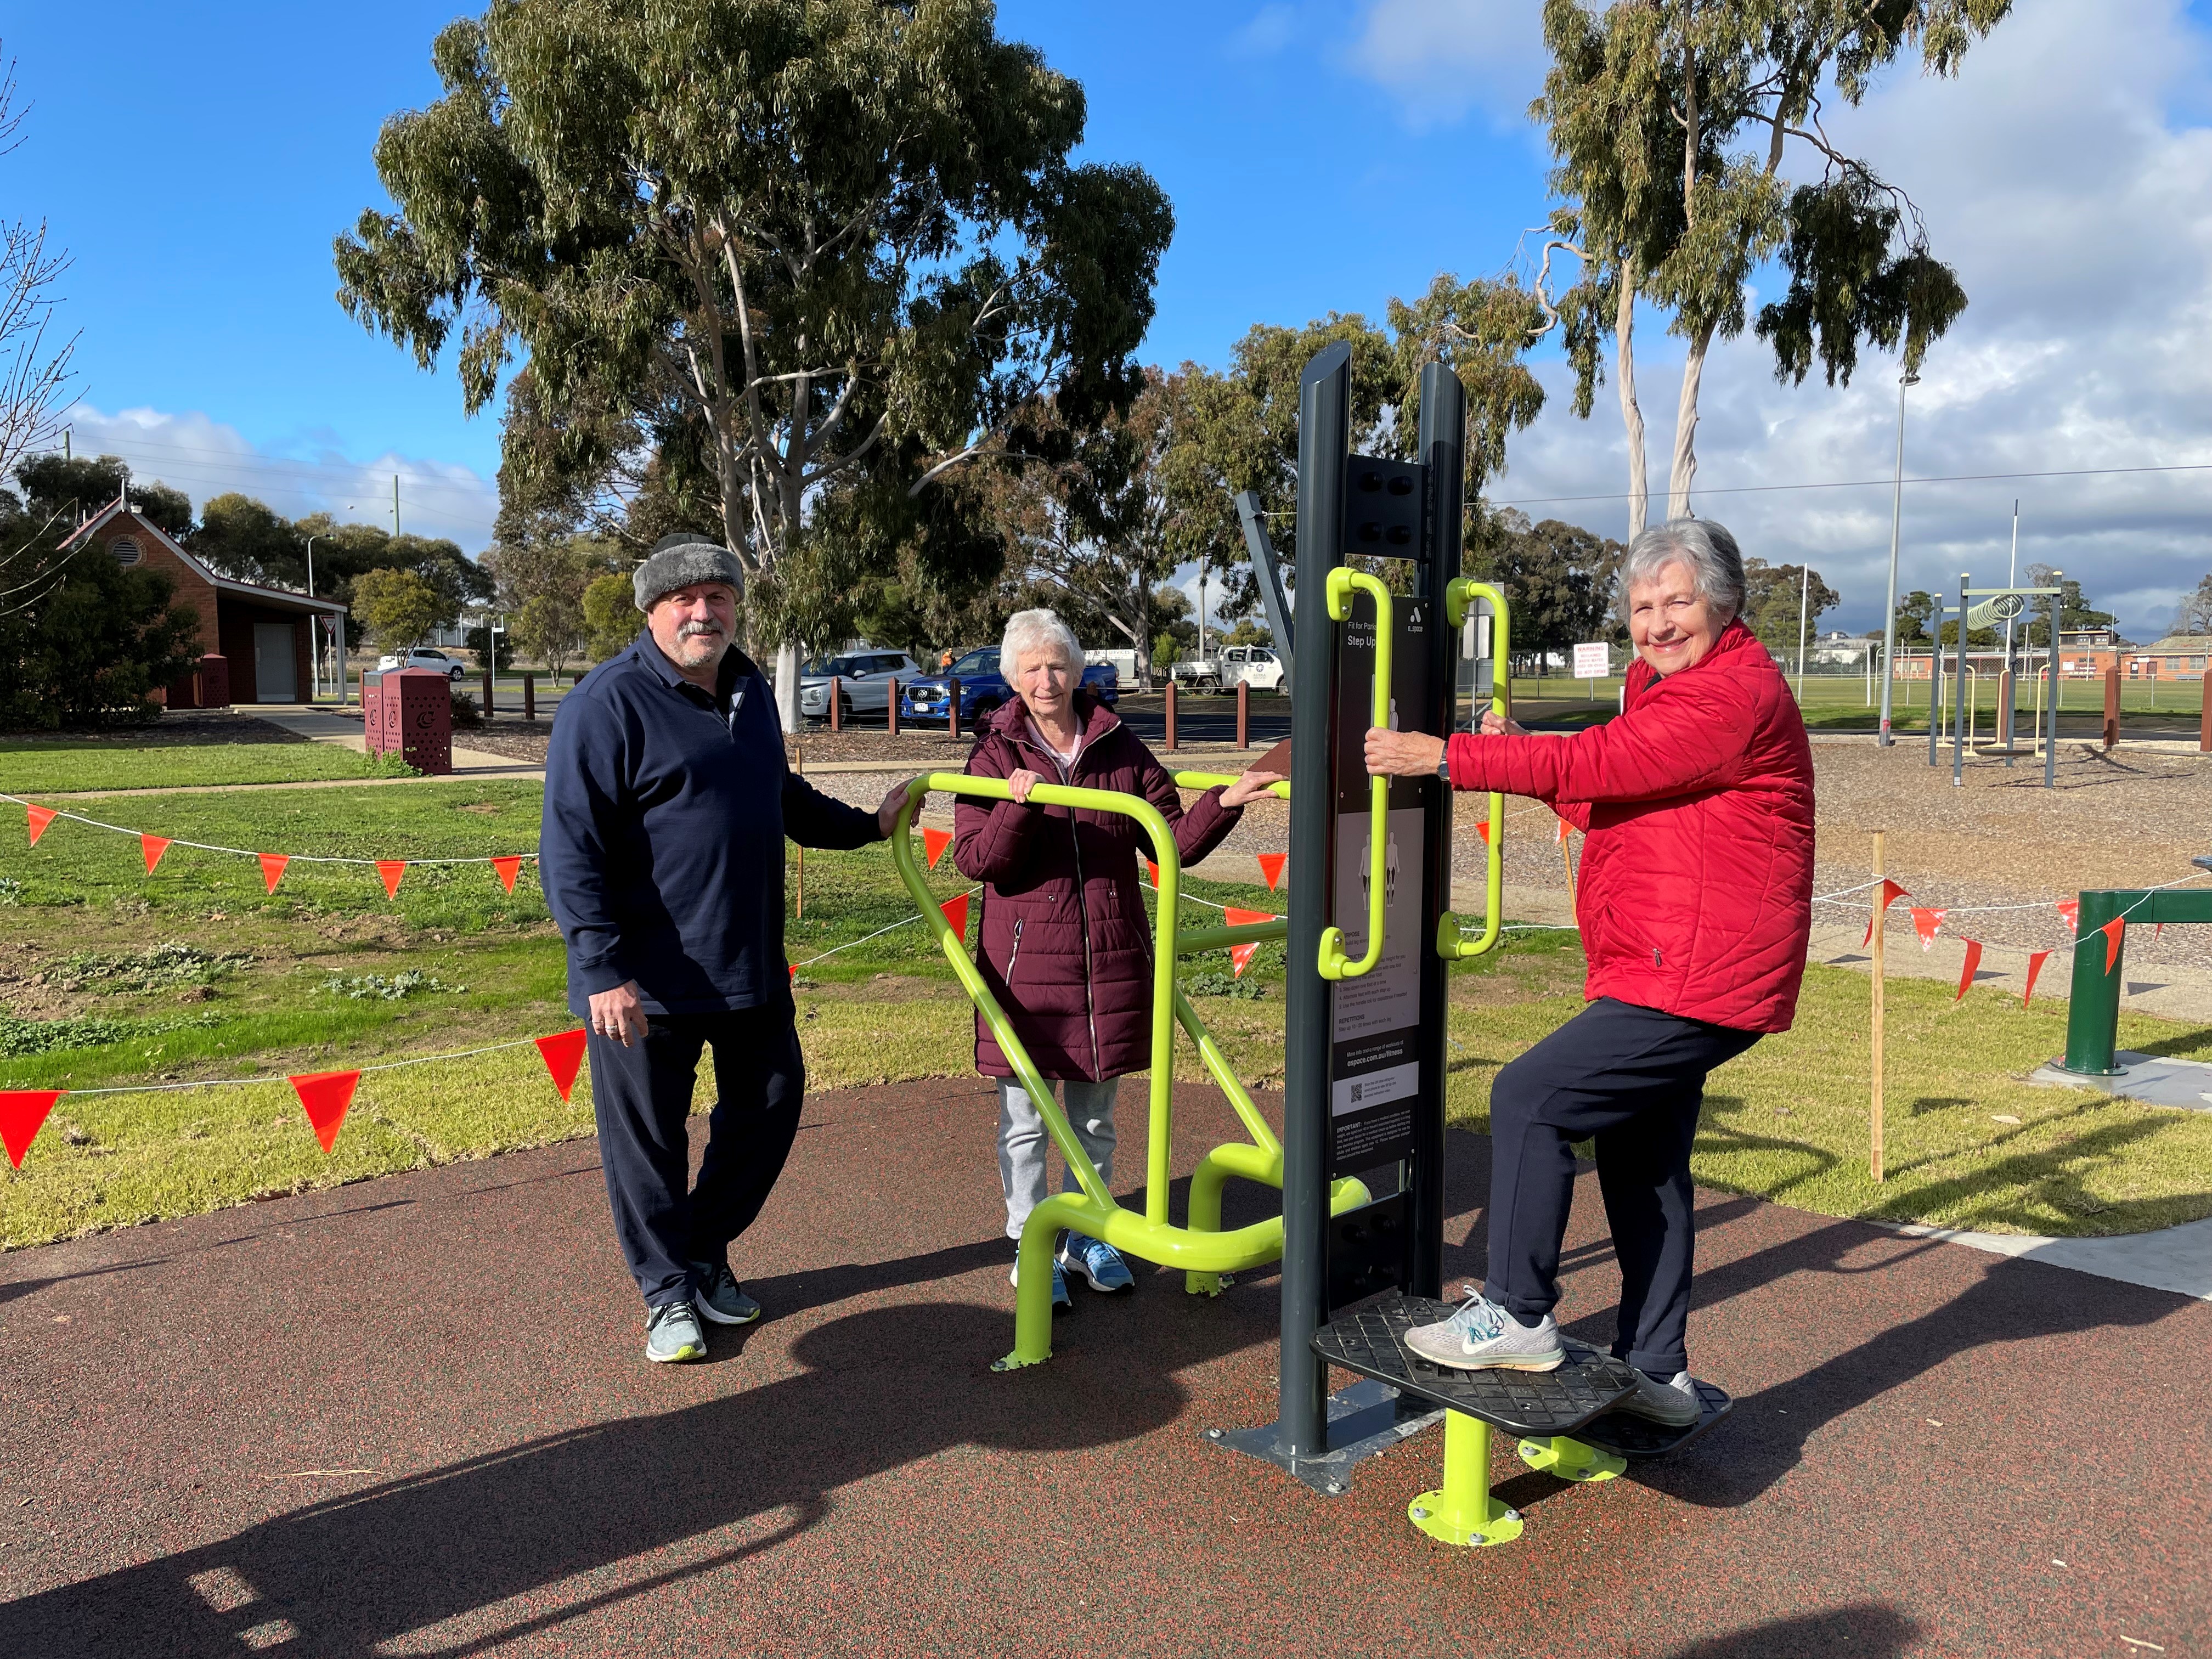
{"type": "Point", "coordinates": [681, 561]}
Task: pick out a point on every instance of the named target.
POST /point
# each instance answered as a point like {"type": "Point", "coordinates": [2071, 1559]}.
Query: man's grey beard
{"type": "Point", "coordinates": [692, 630]}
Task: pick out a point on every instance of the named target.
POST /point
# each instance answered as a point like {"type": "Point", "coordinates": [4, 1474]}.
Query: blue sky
{"type": "Point", "coordinates": [196, 162]}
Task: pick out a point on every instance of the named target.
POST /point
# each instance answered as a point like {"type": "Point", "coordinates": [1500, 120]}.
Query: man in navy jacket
{"type": "Point", "coordinates": [667, 801]}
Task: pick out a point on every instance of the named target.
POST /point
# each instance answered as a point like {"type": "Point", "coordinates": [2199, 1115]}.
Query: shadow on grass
{"type": "Point", "coordinates": [2185, 1045]}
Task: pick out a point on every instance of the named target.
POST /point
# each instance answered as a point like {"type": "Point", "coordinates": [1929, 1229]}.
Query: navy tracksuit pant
{"type": "Point", "coordinates": [642, 1097]}
{"type": "Point", "coordinates": [1632, 1079]}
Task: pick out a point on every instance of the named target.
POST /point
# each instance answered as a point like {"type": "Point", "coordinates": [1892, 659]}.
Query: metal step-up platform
{"type": "Point", "coordinates": [1566, 1419]}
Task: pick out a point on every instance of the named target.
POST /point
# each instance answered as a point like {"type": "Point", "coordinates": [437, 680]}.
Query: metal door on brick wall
{"type": "Point", "coordinates": [275, 673]}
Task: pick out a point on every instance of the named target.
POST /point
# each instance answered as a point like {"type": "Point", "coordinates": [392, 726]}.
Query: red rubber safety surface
{"type": "Point", "coordinates": [412, 1416]}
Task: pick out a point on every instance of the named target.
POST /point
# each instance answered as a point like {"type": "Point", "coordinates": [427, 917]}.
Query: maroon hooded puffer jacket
{"type": "Point", "coordinates": [1065, 945]}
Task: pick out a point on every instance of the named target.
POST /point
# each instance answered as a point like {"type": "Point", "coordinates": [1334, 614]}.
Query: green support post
{"type": "Point", "coordinates": [2093, 1017]}
{"type": "Point", "coordinates": [1461, 1511]}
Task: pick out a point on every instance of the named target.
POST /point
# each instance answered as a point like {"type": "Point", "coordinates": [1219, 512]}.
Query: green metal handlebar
{"type": "Point", "coordinates": [1452, 943]}
{"type": "Point", "coordinates": [1334, 962]}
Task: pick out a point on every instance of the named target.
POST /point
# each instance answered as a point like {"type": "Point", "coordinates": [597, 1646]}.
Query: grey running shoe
{"type": "Point", "coordinates": [1060, 1297]}
{"type": "Point", "coordinates": [720, 1296]}
{"type": "Point", "coordinates": [671, 1333]}
{"type": "Point", "coordinates": [1674, 1403]}
{"type": "Point", "coordinates": [1099, 1263]}
{"type": "Point", "coordinates": [1482, 1336]}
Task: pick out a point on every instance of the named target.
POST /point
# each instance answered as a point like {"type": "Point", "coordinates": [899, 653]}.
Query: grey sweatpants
{"type": "Point", "coordinates": [1022, 1140]}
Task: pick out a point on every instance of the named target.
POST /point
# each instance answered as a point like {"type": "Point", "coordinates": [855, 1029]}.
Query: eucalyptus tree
{"type": "Point", "coordinates": [1670, 121]}
{"type": "Point", "coordinates": [787, 242]}
{"type": "Point", "coordinates": [1238, 430]}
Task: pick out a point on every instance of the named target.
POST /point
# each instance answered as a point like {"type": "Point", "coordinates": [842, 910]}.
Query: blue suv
{"type": "Point", "coordinates": [984, 690]}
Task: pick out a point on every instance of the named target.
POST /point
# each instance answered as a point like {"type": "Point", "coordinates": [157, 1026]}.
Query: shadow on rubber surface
{"type": "Point", "coordinates": [488, 1549]}
{"type": "Point", "coordinates": [2012, 1303]}
{"type": "Point", "coordinates": [1866, 1630]}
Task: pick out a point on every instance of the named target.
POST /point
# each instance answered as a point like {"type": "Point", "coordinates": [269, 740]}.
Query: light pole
{"type": "Point", "coordinates": [314, 622]}
{"type": "Point", "coordinates": [1896, 515]}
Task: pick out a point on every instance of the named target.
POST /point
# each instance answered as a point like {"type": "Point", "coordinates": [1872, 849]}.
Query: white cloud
{"type": "Point", "coordinates": [1271, 28]}
{"type": "Point", "coordinates": [204, 458]}
{"type": "Point", "coordinates": [2077, 209]}
{"type": "Point", "coordinates": [1444, 57]}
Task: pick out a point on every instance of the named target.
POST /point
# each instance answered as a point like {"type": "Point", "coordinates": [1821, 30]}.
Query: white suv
{"type": "Point", "coordinates": [423, 657]}
{"type": "Point", "coordinates": [862, 678]}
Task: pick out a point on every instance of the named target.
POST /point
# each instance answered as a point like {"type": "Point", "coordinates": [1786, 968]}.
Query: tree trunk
{"type": "Point", "coordinates": [1631, 413]}
{"type": "Point", "coordinates": [1685, 470]}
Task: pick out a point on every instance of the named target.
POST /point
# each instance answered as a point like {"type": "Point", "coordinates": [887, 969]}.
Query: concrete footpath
{"type": "Point", "coordinates": [412, 1417]}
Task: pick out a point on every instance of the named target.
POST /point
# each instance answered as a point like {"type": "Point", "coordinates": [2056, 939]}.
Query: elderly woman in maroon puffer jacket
{"type": "Point", "coordinates": [1065, 945]}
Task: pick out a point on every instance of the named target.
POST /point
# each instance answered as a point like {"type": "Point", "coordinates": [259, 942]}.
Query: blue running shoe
{"type": "Point", "coordinates": [671, 1333]}
{"type": "Point", "coordinates": [1482, 1336]}
{"type": "Point", "coordinates": [719, 1296]}
{"type": "Point", "coordinates": [1099, 1263]}
{"type": "Point", "coordinates": [1061, 1300]}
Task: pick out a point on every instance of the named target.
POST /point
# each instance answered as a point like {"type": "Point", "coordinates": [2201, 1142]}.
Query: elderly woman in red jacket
{"type": "Point", "coordinates": [1065, 944]}
{"type": "Point", "coordinates": [1695, 908]}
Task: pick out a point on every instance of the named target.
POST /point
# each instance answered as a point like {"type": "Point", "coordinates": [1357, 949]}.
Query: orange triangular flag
{"type": "Point", "coordinates": [564, 1053]}
{"type": "Point", "coordinates": [22, 1112]}
{"type": "Point", "coordinates": [153, 847]}
{"type": "Point", "coordinates": [1240, 956]}
{"type": "Point", "coordinates": [2035, 961]}
{"type": "Point", "coordinates": [933, 843]}
{"type": "Point", "coordinates": [1270, 866]}
{"type": "Point", "coordinates": [2113, 931]}
{"type": "Point", "coordinates": [1890, 893]}
{"type": "Point", "coordinates": [1925, 922]}
{"type": "Point", "coordinates": [41, 816]}
{"type": "Point", "coordinates": [272, 868]}
{"type": "Point", "coordinates": [391, 869]}
{"type": "Point", "coordinates": [507, 869]}
{"type": "Point", "coordinates": [956, 914]}
{"type": "Point", "coordinates": [1482, 828]}
{"type": "Point", "coordinates": [1564, 827]}
{"type": "Point", "coordinates": [2071, 909]}
{"type": "Point", "coordinates": [1155, 869]}
{"type": "Point", "coordinates": [325, 1096]}
{"type": "Point", "coordinates": [791, 969]}
{"type": "Point", "coordinates": [1973, 961]}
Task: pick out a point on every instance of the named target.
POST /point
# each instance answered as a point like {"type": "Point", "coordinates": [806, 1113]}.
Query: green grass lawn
{"type": "Point", "coordinates": [36, 766]}
{"type": "Point", "coordinates": [195, 972]}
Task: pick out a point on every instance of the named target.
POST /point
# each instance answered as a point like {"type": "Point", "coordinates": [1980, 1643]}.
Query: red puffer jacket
{"type": "Point", "coordinates": [1065, 944]}
{"type": "Point", "coordinates": [1696, 890]}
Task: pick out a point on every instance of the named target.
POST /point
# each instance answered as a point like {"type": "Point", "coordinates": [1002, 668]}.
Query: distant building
{"type": "Point", "coordinates": [2176, 657]}
{"type": "Point", "coordinates": [256, 641]}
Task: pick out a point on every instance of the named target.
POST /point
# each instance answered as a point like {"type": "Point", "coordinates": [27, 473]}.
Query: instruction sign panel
{"type": "Point", "coordinates": [1376, 1085]}
{"type": "Point", "coordinates": [1592, 661]}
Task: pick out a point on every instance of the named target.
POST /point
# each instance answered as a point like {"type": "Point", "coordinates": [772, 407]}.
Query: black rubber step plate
{"type": "Point", "coordinates": [1533, 1405]}
{"type": "Point", "coordinates": [1638, 1437]}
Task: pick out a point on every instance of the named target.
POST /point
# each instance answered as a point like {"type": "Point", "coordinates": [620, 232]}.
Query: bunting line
{"type": "Point", "coordinates": [41, 818]}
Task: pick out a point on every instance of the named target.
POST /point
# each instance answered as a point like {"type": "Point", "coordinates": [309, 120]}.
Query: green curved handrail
{"type": "Point", "coordinates": [1202, 1250]}
{"type": "Point", "coordinates": [1334, 964]}
{"type": "Point", "coordinates": [1452, 943]}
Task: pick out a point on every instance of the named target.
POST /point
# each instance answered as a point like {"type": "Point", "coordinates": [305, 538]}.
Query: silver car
{"type": "Point", "coordinates": [862, 680]}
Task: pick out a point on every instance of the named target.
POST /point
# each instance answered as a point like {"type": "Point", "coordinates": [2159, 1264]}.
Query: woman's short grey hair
{"type": "Point", "coordinates": [1028, 632]}
{"type": "Point", "coordinates": [1716, 565]}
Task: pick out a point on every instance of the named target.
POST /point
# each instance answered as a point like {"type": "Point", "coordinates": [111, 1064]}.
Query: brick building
{"type": "Point", "coordinates": [257, 641]}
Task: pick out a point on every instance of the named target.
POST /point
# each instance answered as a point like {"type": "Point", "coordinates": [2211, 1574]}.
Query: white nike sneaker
{"type": "Point", "coordinates": [1482, 1336]}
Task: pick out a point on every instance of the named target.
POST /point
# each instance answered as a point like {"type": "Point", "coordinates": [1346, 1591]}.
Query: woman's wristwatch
{"type": "Point", "coordinates": [1444, 765]}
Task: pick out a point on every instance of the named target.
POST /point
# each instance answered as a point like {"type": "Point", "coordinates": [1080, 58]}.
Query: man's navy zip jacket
{"type": "Point", "coordinates": [662, 850]}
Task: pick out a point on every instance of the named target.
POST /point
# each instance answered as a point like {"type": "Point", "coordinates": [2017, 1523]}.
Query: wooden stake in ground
{"type": "Point", "coordinates": [1879, 916]}
{"type": "Point", "coordinates": [799, 766]}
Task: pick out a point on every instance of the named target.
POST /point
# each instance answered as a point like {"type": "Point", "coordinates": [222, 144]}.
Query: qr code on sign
{"type": "Point", "coordinates": [1355, 1093]}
